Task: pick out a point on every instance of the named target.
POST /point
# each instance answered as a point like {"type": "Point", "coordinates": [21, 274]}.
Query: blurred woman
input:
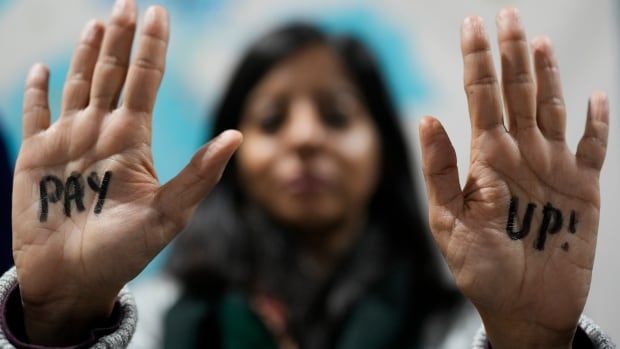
{"type": "Point", "coordinates": [315, 224]}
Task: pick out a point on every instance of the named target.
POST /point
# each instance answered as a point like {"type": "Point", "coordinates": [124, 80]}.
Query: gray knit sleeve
{"type": "Point", "coordinates": [599, 339]}
{"type": "Point", "coordinates": [118, 339]}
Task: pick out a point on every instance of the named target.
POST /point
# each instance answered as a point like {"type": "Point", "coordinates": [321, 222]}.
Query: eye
{"type": "Point", "coordinates": [271, 122]}
{"type": "Point", "coordinates": [339, 108]}
{"type": "Point", "coordinates": [335, 118]}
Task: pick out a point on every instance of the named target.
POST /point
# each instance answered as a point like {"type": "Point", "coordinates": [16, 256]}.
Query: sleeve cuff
{"type": "Point", "coordinates": [588, 335]}
{"type": "Point", "coordinates": [115, 332]}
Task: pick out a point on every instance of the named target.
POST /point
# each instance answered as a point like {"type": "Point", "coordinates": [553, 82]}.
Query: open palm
{"type": "Point", "coordinates": [88, 211]}
{"type": "Point", "coordinates": [520, 236]}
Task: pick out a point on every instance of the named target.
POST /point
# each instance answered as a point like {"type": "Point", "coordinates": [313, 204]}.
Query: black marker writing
{"type": "Point", "coordinates": [551, 223]}
{"type": "Point", "coordinates": [74, 191]}
{"type": "Point", "coordinates": [572, 225]}
{"type": "Point", "coordinates": [49, 197]}
{"type": "Point", "coordinates": [512, 216]}
{"type": "Point", "coordinates": [93, 182]}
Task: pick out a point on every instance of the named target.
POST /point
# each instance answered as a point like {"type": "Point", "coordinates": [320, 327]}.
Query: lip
{"type": "Point", "coordinates": [306, 184]}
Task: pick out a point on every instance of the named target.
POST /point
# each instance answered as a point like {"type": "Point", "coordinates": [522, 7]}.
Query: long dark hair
{"type": "Point", "coordinates": [392, 211]}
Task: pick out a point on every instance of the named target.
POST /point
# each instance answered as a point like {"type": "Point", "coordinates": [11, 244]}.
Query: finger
{"type": "Point", "coordinates": [111, 67]}
{"type": "Point", "coordinates": [479, 77]}
{"type": "Point", "coordinates": [147, 69]}
{"type": "Point", "coordinates": [36, 116]}
{"type": "Point", "coordinates": [441, 175]}
{"type": "Point", "coordinates": [177, 199]}
{"type": "Point", "coordinates": [593, 145]}
{"type": "Point", "coordinates": [77, 87]}
{"type": "Point", "coordinates": [517, 82]}
{"type": "Point", "coordinates": [550, 108]}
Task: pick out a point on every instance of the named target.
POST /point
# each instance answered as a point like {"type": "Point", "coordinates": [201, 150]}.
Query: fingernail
{"type": "Point", "coordinates": [37, 70]}
{"type": "Point", "coordinates": [89, 32]}
{"type": "Point", "coordinates": [426, 122]}
{"type": "Point", "coordinates": [474, 25]}
{"type": "Point", "coordinates": [601, 110]}
{"type": "Point", "coordinates": [473, 28]}
{"type": "Point", "coordinates": [543, 52]}
{"type": "Point", "coordinates": [508, 16]}
{"type": "Point", "coordinates": [155, 14]}
{"type": "Point", "coordinates": [226, 134]}
{"type": "Point", "coordinates": [151, 15]}
{"type": "Point", "coordinates": [219, 141]}
{"type": "Point", "coordinates": [542, 43]}
{"type": "Point", "coordinates": [120, 6]}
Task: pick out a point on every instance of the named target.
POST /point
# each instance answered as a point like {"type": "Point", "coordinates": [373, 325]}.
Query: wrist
{"type": "Point", "coordinates": [65, 322]}
{"type": "Point", "coordinates": [516, 334]}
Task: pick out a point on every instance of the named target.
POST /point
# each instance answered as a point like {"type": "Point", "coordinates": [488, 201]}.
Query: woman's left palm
{"type": "Point", "coordinates": [520, 236]}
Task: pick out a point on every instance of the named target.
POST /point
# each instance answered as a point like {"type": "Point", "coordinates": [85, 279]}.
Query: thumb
{"type": "Point", "coordinates": [177, 199]}
{"type": "Point", "coordinates": [441, 176]}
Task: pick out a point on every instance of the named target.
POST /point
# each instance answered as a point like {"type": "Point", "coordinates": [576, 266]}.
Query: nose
{"type": "Point", "coordinates": [305, 131]}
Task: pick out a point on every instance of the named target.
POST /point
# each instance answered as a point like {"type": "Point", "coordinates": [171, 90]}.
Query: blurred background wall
{"type": "Point", "coordinates": [417, 42]}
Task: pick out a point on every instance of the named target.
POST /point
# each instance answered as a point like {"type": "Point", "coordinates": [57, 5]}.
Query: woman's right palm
{"type": "Point", "coordinates": [88, 211]}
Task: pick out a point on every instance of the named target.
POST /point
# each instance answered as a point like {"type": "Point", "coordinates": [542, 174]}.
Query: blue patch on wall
{"type": "Point", "coordinates": [4, 3]}
{"type": "Point", "coordinates": [402, 71]}
{"type": "Point", "coordinates": [13, 105]}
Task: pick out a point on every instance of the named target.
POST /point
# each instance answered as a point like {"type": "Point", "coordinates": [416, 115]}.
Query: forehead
{"type": "Point", "coordinates": [316, 66]}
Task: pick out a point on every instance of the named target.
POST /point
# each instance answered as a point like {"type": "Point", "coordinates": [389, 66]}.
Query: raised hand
{"type": "Point", "coordinates": [520, 236]}
{"type": "Point", "coordinates": [88, 211]}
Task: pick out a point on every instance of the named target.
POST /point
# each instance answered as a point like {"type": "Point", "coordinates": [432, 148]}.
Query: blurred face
{"type": "Point", "coordinates": [311, 152]}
